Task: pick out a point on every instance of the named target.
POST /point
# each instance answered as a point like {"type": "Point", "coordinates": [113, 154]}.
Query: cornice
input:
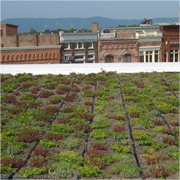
{"type": "Point", "coordinates": [79, 34]}
{"type": "Point", "coordinates": [133, 28]}
{"type": "Point", "coordinates": [31, 47]}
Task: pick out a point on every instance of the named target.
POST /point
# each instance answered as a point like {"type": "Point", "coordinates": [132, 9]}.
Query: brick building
{"type": "Point", "coordinates": [31, 55]}
{"type": "Point", "coordinates": [170, 42]}
{"type": "Point", "coordinates": [28, 49]}
{"type": "Point", "coordinates": [145, 43]}
{"type": "Point", "coordinates": [114, 48]}
{"type": "Point", "coordinates": [131, 44]}
{"type": "Point", "coordinates": [79, 47]}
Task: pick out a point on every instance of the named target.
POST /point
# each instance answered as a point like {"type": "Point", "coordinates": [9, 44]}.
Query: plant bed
{"type": "Point", "coordinates": [90, 126]}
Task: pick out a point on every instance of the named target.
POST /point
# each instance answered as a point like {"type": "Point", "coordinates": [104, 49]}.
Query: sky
{"type": "Point", "coordinates": [83, 9]}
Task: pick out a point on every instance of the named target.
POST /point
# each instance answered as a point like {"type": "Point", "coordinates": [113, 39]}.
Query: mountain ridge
{"type": "Point", "coordinates": [41, 24]}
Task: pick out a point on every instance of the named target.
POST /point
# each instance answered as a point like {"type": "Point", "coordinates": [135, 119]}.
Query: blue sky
{"type": "Point", "coordinates": [84, 9]}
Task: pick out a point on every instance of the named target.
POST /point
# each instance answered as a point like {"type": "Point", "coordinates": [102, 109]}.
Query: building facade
{"type": "Point", "coordinates": [79, 47]}
{"type": "Point", "coordinates": [28, 49]}
{"type": "Point", "coordinates": [170, 42]}
{"type": "Point", "coordinates": [31, 55]}
{"type": "Point", "coordinates": [145, 43]}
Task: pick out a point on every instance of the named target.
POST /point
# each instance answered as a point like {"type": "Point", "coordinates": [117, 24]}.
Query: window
{"type": "Point", "coordinates": [81, 45]}
{"type": "Point", "coordinates": [1, 32]}
{"type": "Point", "coordinates": [90, 56]}
{"type": "Point", "coordinates": [79, 57]}
{"type": "Point", "coordinates": [127, 58]}
{"type": "Point", "coordinates": [66, 46]}
{"type": "Point", "coordinates": [2, 45]}
{"type": "Point", "coordinates": [174, 55]}
{"type": "Point", "coordinates": [156, 56]}
{"type": "Point", "coordinates": [109, 59]}
{"type": "Point", "coordinates": [90, 44]}
{"type": "Point", "coordinates": [165, 56]}
{"type": "Point", "coordinates": [76, 45]}
{"type": "Point", "coordinates": [141, 56]}
{"type": "Point", "coordinates": [148, 56]}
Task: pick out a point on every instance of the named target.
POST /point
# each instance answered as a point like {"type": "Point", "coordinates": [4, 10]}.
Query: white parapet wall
{"type": "Point", "coordinates": [89, 68]}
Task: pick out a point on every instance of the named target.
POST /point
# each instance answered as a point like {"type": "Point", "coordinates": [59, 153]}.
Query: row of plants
{"type": "Point", "coordinates": [27, 124]}
{"type": "Point", "coordinates": [79, 126]}
{"type": "Point", "coordinates": [147, 124]}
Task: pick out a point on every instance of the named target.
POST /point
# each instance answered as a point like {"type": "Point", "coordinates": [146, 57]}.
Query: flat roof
{"type": "Point", "coordinates": [168, 24]}
{"type": "Point", "coordinates": [133, 28]}
{"type": "Point", "coordinates": [79, 33]}
{"type": "Point", "coordinates": [10, 24]}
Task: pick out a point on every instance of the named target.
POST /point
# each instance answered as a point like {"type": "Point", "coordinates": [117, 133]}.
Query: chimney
{"type": "Point", "coordinates": [94, 26]}
{"type": "Point", "coordinates": [148, 21]}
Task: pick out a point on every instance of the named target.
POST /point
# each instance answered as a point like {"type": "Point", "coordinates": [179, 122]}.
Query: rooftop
{"type": "Point", "coordinates": [10, 25]}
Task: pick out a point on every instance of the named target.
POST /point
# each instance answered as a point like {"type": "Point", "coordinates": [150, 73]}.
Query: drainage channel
{"type": "Point", "coordinates": [160, 115]}
{"type": "Point", "coordinates": [168, 86]}
{"type": "Point", "coordinates": [130, 132]}
{"type": "Point", "coordinates": [29, 156]}
{"type": "Point", "coordinates": [87, 139]}
{"type": "Point", "coordinates": [174, 95]}
{"type": "Point", "coordinates": [92, 112]}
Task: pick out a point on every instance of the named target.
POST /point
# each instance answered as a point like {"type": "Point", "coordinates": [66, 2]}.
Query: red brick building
{"type": "Point", "coordinates": [145, 43]}
{"type": "Point", "coordinates": [170, 42]}
{"type": "Point", "coordinates": [28, 49]}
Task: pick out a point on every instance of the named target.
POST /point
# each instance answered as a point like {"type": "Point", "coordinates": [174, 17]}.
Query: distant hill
{"type": "Point", "coordinates": [41, 24]}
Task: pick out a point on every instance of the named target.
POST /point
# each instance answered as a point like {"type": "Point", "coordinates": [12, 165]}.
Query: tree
{"type": "Point", "coordinates": [133, 25]}
{"type": "Point", "coordinates": [122, 25]}
{"type": "Point", "coordinates": [32, 31]}
{"type": "Point", "coordinates": [72, 30]}
{"type": "Point", "coordinates": [47, 31]}
{"type": "Point", "coordinates": [86, 30]}
{"type": "Point", "coordinates": [56, 31]}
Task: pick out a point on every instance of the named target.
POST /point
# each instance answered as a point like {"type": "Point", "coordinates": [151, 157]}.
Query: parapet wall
{"type": "Point", "coordinates": [90, 68]}
{"type": "Point", "coordinates": [30, 40]}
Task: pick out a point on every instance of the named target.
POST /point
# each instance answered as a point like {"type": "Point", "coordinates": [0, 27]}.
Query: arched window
{"type": "Point", "coordinates": [109, 59]}
{"type": "Point", "coordinates": [3, 58]}
{"type": "Point", "coordinates": [46, 56]}
{"type": "Point", "coordinates": [54, 56]}
{"type": "Point", "coordinates": [25, 57]}
{"type": "Point", "coordinates": [127, 58]}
